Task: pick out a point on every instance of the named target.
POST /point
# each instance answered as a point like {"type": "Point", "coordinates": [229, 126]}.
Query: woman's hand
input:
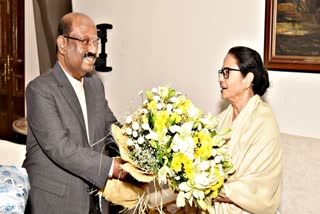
{"type": "Point", "coordinates": [226, 199]}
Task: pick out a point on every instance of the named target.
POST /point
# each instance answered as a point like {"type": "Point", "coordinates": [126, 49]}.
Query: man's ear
{"type": "Point", "coordinates": [249, 79]}
{"type": "Point", "coordinates": [61, 44]}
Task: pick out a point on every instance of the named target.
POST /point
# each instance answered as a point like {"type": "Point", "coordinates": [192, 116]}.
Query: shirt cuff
{"type": "Point", "coordinates": [111, 169]}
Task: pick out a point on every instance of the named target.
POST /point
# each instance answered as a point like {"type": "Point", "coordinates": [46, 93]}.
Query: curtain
{"type": "Point", "coordinates": [47, 14]}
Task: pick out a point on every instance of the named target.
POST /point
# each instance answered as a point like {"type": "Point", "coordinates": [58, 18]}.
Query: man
{"type": "Point", "coordinates": [69, 127]}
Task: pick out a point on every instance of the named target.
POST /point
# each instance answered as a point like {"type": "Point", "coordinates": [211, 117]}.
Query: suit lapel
{"type": "Point", "coordinates": [91, 107]}
{"type": "Point", "coordinates": [69, 93]}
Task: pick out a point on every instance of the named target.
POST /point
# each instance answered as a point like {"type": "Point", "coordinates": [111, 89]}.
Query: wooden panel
{"type": "Point", "coordinates": [11, 65]}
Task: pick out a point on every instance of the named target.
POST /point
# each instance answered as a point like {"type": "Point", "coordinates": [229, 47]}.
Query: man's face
{"type": "Point", "coordinates": [81, 47]}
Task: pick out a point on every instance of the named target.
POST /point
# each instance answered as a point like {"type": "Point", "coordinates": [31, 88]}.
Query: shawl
{"type": "Point", "coordinates": [256, 154]}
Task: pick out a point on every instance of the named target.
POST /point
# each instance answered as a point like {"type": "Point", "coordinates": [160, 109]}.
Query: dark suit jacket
{"type": "Point", "coordinates": [59, 160]}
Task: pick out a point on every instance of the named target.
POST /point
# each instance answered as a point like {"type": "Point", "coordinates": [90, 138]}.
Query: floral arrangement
{"type": "Point", "coordinates": [172, 139]}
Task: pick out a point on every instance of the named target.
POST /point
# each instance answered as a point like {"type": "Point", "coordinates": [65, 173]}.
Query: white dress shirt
{"type": "Point", "coordinates": [78, 88]}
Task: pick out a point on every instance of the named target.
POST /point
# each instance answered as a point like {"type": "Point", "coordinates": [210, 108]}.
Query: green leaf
{"type": "Point", "coordinates": [149, 95]}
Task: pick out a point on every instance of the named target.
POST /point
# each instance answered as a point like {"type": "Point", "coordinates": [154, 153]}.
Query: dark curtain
{"type": "Point", "coordinates": [47, 14]}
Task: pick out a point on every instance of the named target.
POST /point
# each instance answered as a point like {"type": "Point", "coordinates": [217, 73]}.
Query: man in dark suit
{"type": "Point", "coordinates": [69, 127]}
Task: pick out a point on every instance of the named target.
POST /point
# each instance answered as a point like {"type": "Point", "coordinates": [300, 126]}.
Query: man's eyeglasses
{"type": "Point", "coordinates": [85, 43]}
{"type": "Point", "coordinates": [226, 71]}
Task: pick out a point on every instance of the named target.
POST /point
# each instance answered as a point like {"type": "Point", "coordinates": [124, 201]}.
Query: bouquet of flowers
{"type": "Point", "coordinates": [171, 140]}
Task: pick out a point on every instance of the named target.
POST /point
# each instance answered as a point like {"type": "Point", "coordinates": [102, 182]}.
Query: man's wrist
{"type": "Point", "coordinates": [111, 169]}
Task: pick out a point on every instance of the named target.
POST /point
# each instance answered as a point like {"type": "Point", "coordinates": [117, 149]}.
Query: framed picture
{"type": "Point", "coordinates": [292, 35]}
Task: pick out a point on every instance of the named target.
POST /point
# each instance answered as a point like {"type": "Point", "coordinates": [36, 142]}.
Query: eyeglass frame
{"type": "Point", "coordinates": [96, 42]}
{"type": "Point", "coordinates": [227, 70]}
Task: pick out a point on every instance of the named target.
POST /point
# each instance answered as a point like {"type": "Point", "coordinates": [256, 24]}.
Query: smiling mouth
{"type": "Point", "coordinates": [90, 59]}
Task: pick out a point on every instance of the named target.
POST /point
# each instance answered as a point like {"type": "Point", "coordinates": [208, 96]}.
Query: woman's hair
{"type": "Point", "coordinates": [249, 60]}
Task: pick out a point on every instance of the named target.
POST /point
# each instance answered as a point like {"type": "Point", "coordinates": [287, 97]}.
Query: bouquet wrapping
{"type": "Point", "coordinates": [170, 140]}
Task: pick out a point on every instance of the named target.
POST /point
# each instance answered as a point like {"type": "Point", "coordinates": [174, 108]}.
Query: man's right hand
{"type": "Point", "coordinates": [118, 173]}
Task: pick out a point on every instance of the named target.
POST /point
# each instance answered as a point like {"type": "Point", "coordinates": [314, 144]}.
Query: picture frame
{"type": "Point", "coordinates": [292, 35]}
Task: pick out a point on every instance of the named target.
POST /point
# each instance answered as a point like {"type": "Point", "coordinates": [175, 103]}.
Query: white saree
{"type": "Point", "coordinates": [256, 154]}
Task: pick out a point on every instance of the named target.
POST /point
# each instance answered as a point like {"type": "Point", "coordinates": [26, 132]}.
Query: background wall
{"type": "Point", "coordinates": [182, 43]}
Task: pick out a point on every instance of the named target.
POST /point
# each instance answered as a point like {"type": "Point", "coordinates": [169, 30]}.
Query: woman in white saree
{"type": "Point", "coordinates": [254, 139]}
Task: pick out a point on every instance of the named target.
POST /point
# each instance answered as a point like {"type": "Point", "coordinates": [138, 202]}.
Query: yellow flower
{"type": "Point", "coordinates": [189, 169]}
{"type": "Point", "coordinates": [161, 122]}
{"type": "Point", "coordinates": [220, 182]}
{"type": "Point", "coordinates": [205, 150]}
{"type": "Point", "coordinates": [175, 118]}
{"type": "Point", "coordinates": [180, 159]}
{"type": "Point", "coordinates": [152, 105]}
{"type": "Point", "coordinates": [184, 106]}
{"type": "Point", "coordinates": [176, 164]}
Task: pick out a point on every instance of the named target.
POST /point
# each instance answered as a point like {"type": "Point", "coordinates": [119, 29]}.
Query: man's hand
{"type": "Point", "coordinates": [118, 173]}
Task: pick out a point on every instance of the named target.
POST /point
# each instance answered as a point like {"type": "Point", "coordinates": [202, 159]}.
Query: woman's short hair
{"type": "Point", "coordinates": [249, 60]}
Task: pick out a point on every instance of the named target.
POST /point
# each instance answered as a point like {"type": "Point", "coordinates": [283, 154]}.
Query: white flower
{"type": "Point", "coordinates": [181, 199]}
{"type": "Point", "coordinates": [129, 119]}
{"type": "Point", "coordinates": [204, 165]}
{"type": "Point", "coordinates": [209, 121]}
{"type": "Point", "coordinates": [202, 180]}
{"type": "Point", "coordinates": [130, 142]}
{"type": "Point", "coordinates": [214, 152]}
{"type": "Point", "coordinates": [145, 126]}
{"type": "Point", "coordinates": [135, 125]}
{"type": "Point", "coordinates": [193, 111]}
{"type": "Point", "coordinates": [135, 134]}
{"type": "Point", "coordinates": [163, 91]}
{"type": "Point", "coordinates": [183, 142]}
{"type": "Point", "coordinates": [154, 90]}
{"type": "Point", "coordinates": [136, 146]}
{"type": "Point", "coordinates": [140, 140]}
{"type": "Point", "coordinates": [169, 107]}
{"type": "Point", "coordinates": [152, 136]}
{"type": "Point", "coordinates": [159, 106]}
{"type": "Point", "coordinates": [185, 187]}
{"type": "Point", "coordinates": [128, 131]}
{"type": "Point", "coordinates": [177, 110]}
{"type": "Point", "coordinates": [173, 99]}
{"type": "Point", "coordinates": [198, 194]}
{"type": "Point", "coordinates": [145, 111]}
{"type": "Point", "coordinates": [162, 174]}
{"type": "Point", "coordinates": [156, 98]}
{"type": "Point", "coordinates": [217, 159]}
{"type": "Point", "coordinates": [174, 128]}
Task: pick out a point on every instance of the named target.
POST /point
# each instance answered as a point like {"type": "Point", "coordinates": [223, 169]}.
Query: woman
{"type": "Point", "coordinates": [254, 139]}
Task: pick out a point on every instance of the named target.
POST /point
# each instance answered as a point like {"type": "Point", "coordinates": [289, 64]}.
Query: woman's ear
{"type": "Point", "coordinates": [61, 44]}
{"type": "Point", "coordinates": [249, 80]}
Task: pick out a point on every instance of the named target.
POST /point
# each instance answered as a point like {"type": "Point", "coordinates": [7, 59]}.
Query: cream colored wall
{"type": "Point", "coordinates": [31, 51]}
{"type": "Point", "coordinates": [182, 43]}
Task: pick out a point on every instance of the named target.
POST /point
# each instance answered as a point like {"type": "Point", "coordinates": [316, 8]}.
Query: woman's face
{"type": "Point", "coordinates": [234, 87]}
